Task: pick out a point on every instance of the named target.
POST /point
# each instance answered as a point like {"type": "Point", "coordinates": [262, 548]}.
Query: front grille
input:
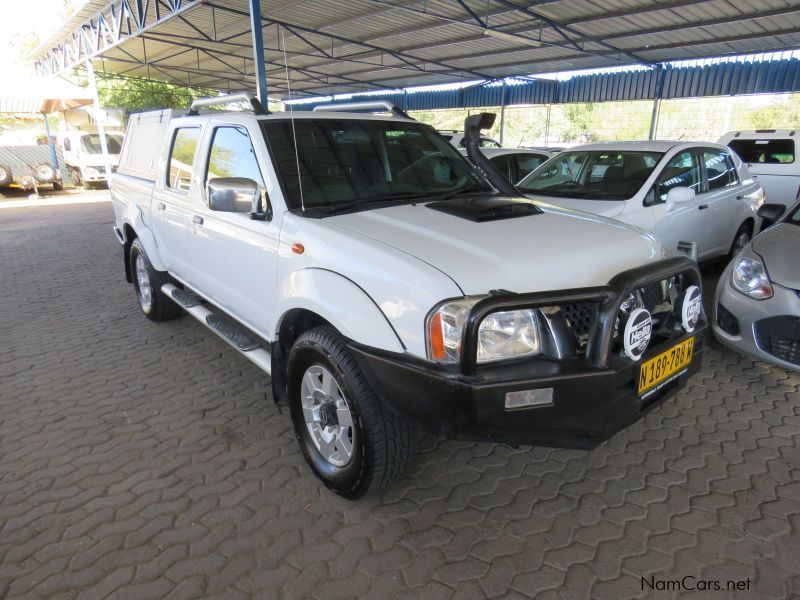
{"type": "Point", "coordinates": [580, 318]}
{"type": "Point", "coordinates": [780, 337]}
{"type": "Point", "coordinates": [656, 297]}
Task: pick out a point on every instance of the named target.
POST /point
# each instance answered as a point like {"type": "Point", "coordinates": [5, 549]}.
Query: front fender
{"type": "Point", "coordinates": [342, 303]}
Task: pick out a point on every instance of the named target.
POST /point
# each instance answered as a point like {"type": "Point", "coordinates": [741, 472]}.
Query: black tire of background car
{"type": "Point", "coordinates": [58, 185]}
{"type": "Point", "coordinates": [385, 441]}
{"type": "Point", "coordinates": [5, 175]}
{"type": "Point", "coordinates": [162, 308]}
{"type": "Point", "coordinates": [44, 173]}
{"type": "Point", "coordinates": [743, 228]}
{"type": "Point", "coordinates": [77, 180]}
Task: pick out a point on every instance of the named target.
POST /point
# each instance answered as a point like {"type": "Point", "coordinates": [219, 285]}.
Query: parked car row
{"type": "Point", "coordinates": [387, 284]}
{"type": "Point", "coordinates": [706, 198]}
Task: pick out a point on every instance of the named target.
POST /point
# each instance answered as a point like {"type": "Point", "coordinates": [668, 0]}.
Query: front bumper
{"type": "Point", "coordinates": [748, 312]}
{"type": "Point", "coordinates": [589, 405]}
{"type": "Point", "coordinates": [593, 396]}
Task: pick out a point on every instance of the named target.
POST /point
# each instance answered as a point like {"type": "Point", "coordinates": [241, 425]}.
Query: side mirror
{"type": "Point", "coordinates": [770, 213]}
{"type": "Point", "coordinates": [236, 194]}
{"type": "Point", "coordinates": [678, 195]}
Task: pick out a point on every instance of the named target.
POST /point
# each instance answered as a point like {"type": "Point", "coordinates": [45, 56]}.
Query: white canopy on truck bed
{"type": "Point", "coordinates": [145, 131]}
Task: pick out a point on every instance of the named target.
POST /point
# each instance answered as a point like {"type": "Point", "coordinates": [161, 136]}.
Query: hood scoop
{"type": "Point", "coordinates": [486, 208]}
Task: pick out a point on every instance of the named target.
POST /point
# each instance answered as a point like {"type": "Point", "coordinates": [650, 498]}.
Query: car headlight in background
{"type": "Point", "coordinates": [749, 276]}
{"type": "Point", "coordinates": [501, 335]}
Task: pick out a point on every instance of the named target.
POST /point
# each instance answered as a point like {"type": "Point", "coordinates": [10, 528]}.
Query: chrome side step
{"type": "Point", "coordinates": [228, 331]}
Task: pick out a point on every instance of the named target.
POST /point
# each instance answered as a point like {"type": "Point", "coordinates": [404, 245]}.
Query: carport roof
{"type": "Point", "coordinates": [357, 45]}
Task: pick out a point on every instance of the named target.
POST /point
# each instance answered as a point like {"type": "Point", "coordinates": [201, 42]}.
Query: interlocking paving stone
{"type": "Point", "coordinates": [143, 460]}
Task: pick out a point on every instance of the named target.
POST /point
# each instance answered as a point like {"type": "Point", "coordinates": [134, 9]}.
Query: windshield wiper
{"type": "Point", "coordinates": [374, 202]}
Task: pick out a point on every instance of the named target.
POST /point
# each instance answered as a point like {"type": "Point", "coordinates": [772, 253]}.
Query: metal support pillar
{"type": "Point", "coordinates": [656, 102]}
{"type": "Point", "coordinates": [99, 118]}
{"type": "Point", "coordinates": [547, 125]}
{"type": "Point", "coordinates": [654, 119]}
{"type": "Point", "coordinates": [53, 156]}
{"type": "Point", "coordinates": [258, 51]}
{"type": "Point", "coordinates": [502, 113]}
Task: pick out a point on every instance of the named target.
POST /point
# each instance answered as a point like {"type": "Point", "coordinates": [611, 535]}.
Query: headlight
{"type": "Point", "coordinates": [749, 276]}
{"type": "Point", "coordinates": [501, 335]}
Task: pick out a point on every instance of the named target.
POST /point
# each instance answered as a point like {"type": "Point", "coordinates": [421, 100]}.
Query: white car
{"type": "Point", "coordinates": [458, 140]}
{"type": "Point", "coordinates": [681, 192]}
{"type": "Point", "coordinates": [386, 286]}
{"type": "Point", "coordinates": [771, 156]}
{"type": "Point", "coordinates": [515, 163]}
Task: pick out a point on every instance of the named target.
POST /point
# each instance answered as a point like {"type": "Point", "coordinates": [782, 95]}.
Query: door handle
{"type": "Point", "coordinates": [197, 220]}
{"type": "Point", "coordinates": [702, 207]}
{"type": "Point", "coordinates": [740, 197]}
{"type": "Point", "coordinates": [162, 207]}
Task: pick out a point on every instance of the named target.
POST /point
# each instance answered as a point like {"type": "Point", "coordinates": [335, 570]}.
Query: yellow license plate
{"type": "Point", "coordinates": [662, 367]}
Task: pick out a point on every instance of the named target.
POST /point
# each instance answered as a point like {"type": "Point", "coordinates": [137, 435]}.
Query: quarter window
{"type": "Point", "coordinates": [181, 158]}
{"type": "Point", "coordinates": [232, 155]}
{"type": "Point", "coordinates": [719, 169]}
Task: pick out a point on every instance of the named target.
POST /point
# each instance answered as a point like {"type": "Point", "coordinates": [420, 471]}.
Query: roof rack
{"type": "Point", "coordinates": [258, 108]}
{"type": "Point", "coordinates": [352, 106]}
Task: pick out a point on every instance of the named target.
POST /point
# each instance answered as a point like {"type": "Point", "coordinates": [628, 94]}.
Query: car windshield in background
{"type": "Point", "coordinates": [91, 143]}
{"type": "Point", "coordinates": [349, 163]}
{"type": "Point", "coordinates": [594, 175]}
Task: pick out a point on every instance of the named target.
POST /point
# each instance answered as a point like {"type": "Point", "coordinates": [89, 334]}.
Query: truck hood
{"type": "Point", "coordinates": [778, 247]}
{"type": "Point", "coordinates": [557, 249]}
{"type": "Point", "coordinates": [604, 208]}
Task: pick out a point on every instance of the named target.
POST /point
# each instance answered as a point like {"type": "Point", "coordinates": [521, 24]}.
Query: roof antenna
{"type": "Point", "coordinates": [291, 118]}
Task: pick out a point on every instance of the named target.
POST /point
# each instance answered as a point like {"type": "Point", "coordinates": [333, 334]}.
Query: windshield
{"type": "Point", "coordinates": [594, 175]}
{"type": "Point", "coordinates": [346, 161]}
{"type": "Point", "coordinates": [90, 143]}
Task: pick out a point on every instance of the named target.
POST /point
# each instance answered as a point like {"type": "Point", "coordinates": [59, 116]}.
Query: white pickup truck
{"type": "Point", "coordinates": [386, 285]}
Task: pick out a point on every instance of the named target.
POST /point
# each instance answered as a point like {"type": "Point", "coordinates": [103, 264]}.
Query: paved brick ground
{"type": "Point", "coordinates": [147, 461]}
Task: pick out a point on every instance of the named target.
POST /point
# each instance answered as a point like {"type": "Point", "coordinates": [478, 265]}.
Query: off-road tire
{"type": "Point", "coordinates": [384, 441]}
{"type": "Point", "coordinates": [160, 308]}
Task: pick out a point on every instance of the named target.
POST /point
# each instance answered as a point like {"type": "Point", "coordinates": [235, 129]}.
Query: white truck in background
{"type": "Point", "coordinates": [771, 157]}
{"type": "Point", "coordinates": [80, 139]}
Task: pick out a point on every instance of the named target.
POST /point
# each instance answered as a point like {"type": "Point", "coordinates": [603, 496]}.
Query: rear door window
{"type": "Point", "coordinates": [506, 165]}
{"type": "Point", "coordinates": [181, 158]}
{"type": "Point", "coordinates": [720, 171]}
{"type": "Point", "coordinates": [527, 163]}
{"type": "Point", "coordinates": [767, 151]}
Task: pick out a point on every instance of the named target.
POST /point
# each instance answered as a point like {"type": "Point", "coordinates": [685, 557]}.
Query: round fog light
{"type": "Point", "coordinates": [691, 308]}
{"type": "Point", "coordinates": [636, 337]}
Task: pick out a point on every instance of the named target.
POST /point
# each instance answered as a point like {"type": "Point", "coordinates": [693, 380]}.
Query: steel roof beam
{"type": "Point", "coordinates": [714, 22]}
{"type": "Point", "coordinates": [630, 12]}
{"type": "Point", "coordinates": [399, 55]}
{"type": "Point", "coordinates": [563, 30]}
{"type": "Point", "coordinates": [278, 66]}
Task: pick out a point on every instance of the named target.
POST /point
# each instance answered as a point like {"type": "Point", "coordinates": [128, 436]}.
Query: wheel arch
{"type": "Point", "coordinates": [314, 297]}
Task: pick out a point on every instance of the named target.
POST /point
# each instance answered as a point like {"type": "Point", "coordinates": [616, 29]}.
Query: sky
{"type": "Point", "coordinates": [37, 17]}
